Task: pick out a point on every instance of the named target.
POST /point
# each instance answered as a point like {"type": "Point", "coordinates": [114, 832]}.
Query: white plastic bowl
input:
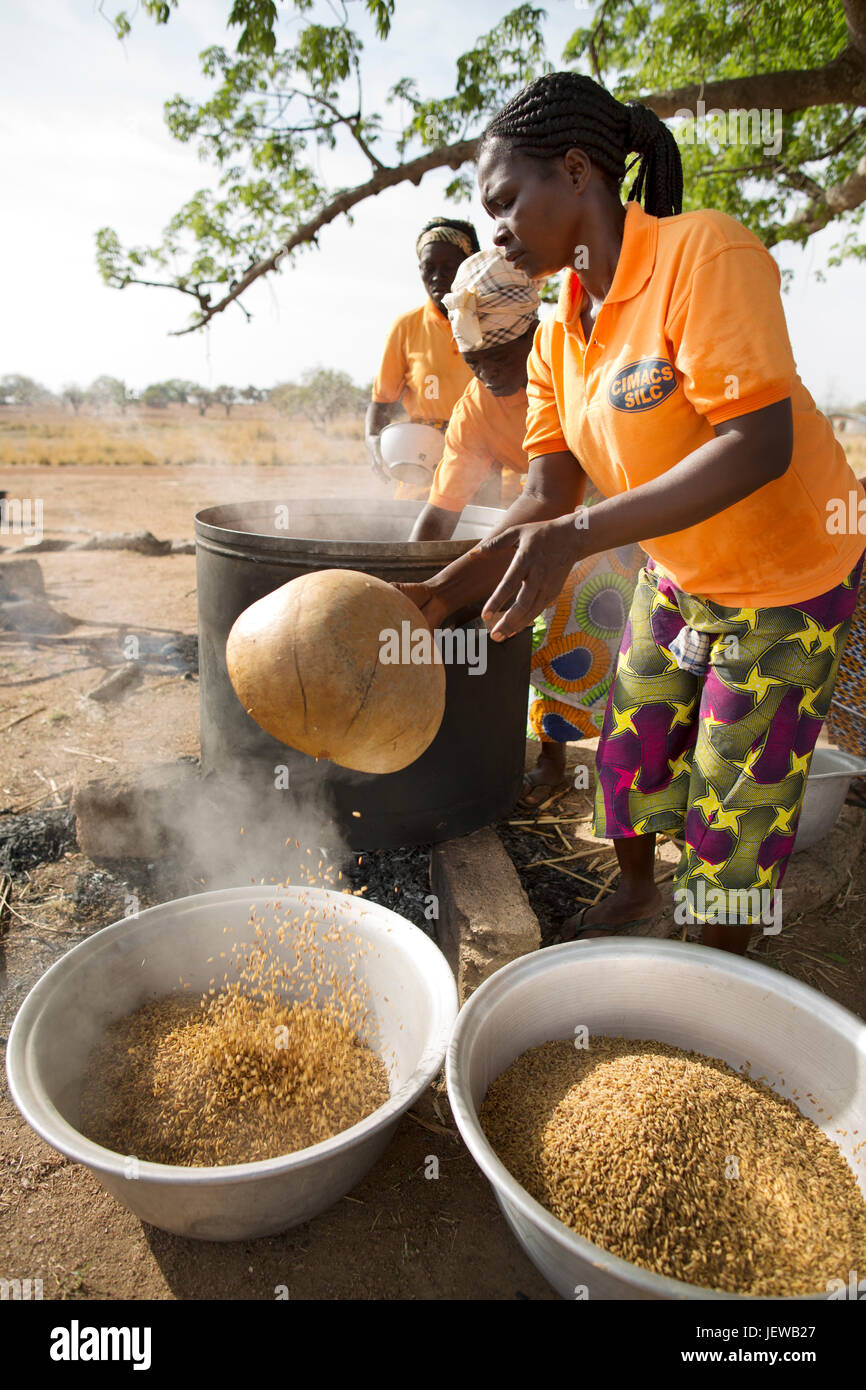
{"type": "Point", "coordinates": [692, 997]}
{"type": "Point", "coordinates": [413, 1000]}
{"type": "Point", "coordinates": [412, 451]}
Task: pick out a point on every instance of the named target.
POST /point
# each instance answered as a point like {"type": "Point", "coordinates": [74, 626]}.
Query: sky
{"type": "Point", "coordinates": [83, 145]}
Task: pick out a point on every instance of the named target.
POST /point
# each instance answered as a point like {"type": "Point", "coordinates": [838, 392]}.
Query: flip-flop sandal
{"type": "Point", "coordinates": [555, 792]}
{"type": "Point", "coordinates": [620, 929]}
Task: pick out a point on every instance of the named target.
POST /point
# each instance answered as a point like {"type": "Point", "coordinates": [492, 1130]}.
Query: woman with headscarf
{"type": "Point", "coordinates": [667, 378]}
{"type": "Point", "coordinates": [421, 365]}
{"type": "Point", "coordinates": [493, 307]}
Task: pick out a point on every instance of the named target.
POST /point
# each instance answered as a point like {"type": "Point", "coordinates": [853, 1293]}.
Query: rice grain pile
{"type": "Point", "coordinates": [243, 1073]}
{"type": "Point", "coordinates": [674, 1161]}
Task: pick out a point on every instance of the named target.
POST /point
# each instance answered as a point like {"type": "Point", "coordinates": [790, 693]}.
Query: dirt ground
{"type": "Point", "coordinates": [433, 1239]}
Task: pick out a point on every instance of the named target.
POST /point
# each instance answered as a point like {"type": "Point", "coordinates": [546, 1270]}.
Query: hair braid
{"type": "Point", "coordinates": [565, 110]}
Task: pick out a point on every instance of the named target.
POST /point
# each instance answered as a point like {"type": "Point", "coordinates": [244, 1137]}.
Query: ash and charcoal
{"type": "Point", "coordinates": [103, 896]}
{"type": "Point", "coordinates": [553, 895]}
{"type": "Point", "coordinates": [405, 869]}
{"type": "Point", "coordinates": [35, 837]}
{"type": "Point", "coordinates": [179, 653]}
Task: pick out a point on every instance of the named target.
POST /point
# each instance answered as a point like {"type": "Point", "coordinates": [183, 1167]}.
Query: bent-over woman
{"type": "Point", "coordinates": [667, 377]}
{"type": "Point", "coordinates": [493, 308]}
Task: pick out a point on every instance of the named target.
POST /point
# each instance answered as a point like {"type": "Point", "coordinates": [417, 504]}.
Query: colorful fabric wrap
{"type": "Point", "coordinates": [846, 721]}
{"type": "Point", "coordinates": [575, 646]}
{"type": "Point", "coordinates": [720, 761]}
{"type": "Point", "coordinates": [490, 302]}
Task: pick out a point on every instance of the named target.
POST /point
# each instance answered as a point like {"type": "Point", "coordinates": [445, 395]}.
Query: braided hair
{"type": "Point", "coordinates": [560, 111]}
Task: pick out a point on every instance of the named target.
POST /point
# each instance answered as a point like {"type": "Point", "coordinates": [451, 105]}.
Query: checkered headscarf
{"type": "Point", "coordinates": [490, 302]}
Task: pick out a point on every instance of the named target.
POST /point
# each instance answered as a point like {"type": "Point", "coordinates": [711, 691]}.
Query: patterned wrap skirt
{"type": "Point", "coordinates": [846, 721]}
{"type": "Point", "coordinates": [575, 645]}
{"type": "Point", "coordinates": [719, 759]}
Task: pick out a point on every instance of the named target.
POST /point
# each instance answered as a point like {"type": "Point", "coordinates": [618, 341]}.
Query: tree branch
{"type": "Point", "coordinates": [202, 296]}
{"type": "Point", "coordinates": [842, 197]}
{"type": "Point", "coordinates": [841, 81]}
{"type": "Point", "coordinates": [855, 20]}
{"type": "Point", "coordinates": [351, 122]}
{"type": "Point", "coordinates": [449, 156]}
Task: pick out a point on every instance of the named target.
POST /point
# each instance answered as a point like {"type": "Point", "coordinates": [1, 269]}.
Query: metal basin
{"type": "Point", "coordinates": [689, 996]}
{"type": "Point", "coordinates": [830, 775]}
{"type": "Point", "coordinates": [413, 1000]}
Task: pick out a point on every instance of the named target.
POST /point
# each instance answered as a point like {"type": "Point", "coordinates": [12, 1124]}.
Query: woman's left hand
{"type": "Point", "coordinates": [544, 553]}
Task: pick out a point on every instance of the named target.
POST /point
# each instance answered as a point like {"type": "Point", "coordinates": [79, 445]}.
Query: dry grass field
{"type": "Point", "coordinates": [253, 434]}
{"type": "Point", "coordinates": [855, 448]}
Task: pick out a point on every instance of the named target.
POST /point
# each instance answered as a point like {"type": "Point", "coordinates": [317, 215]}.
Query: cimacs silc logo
{"type": "Point", "coordinates": [642, 385]}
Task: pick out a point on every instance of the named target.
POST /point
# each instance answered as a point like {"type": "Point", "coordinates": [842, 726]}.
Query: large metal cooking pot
{"type": "Point", "coordinates": [471, 773]}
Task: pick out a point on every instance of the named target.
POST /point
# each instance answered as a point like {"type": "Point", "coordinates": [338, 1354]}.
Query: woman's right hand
{"type": "Point", "coordinates": [424, 596]}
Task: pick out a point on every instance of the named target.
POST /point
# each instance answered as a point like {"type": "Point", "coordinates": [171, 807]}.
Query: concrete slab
{"type": "Point", "coordinates": [484, 919]}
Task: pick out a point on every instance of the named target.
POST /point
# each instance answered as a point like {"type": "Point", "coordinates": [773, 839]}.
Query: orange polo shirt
{"type": "Point", "coordinates": [692, 333]}
{"type": "Point", "coordinates": [422, 365]}
{"type": "Point", "coordinates": [485, 431]}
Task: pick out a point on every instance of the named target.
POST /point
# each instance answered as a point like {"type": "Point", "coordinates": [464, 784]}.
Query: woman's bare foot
{"type": "Point", "coordinates": [546, 777]}
{"type": "Point", "coordinates": [629, 905]}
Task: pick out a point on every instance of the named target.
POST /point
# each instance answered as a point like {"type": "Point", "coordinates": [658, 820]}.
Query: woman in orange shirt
{"type": "Point", "coordinates": [421, 365]}
{"type": "Point", "coordinates": [667, 378]}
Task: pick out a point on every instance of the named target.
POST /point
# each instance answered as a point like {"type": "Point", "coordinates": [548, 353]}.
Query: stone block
{"type": "Point", "coordinates": [485, 919]}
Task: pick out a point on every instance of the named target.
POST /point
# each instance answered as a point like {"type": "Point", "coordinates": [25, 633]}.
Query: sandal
{"type": "Point", "coordinates": [609, 929]}
{"type": "Point", "coordinates": [551, 792]}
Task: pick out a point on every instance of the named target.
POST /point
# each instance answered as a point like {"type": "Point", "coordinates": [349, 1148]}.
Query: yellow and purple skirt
{"type": "Point", "coordinates": [719, 758]}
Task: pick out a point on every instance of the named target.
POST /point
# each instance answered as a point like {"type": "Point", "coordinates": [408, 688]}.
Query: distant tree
{"type": "Point", "coordinates": [23, 390]}
{"type": "Point", "coordinates": [72, 395]}
{"type": "Point", "coordinates": [226, 396]}
{"type": "Point", "coordinates": [202, 397]}
{"type": "Point", "coordinates": [156, 396]}
{"type": "Point", "coordinates": [175, 391]}
{"type": "Point", "coordinates": [321, 396]}
{"type": "Point", "coordinates": [252, 394]}
{"type": "Point", "coordinates": [109, 391]}
{"type": "Point", "coordinates": [179, 391]}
